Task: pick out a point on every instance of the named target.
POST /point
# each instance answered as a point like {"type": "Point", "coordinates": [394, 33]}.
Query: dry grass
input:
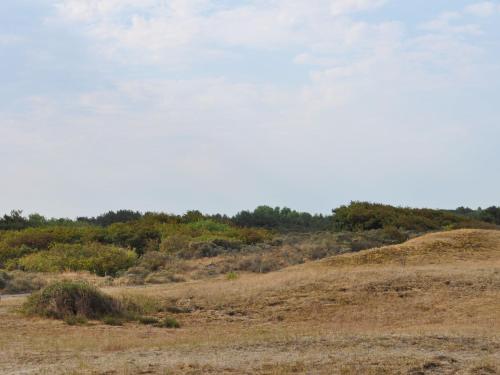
{"type": "Point", "coordinates": [430, 306]}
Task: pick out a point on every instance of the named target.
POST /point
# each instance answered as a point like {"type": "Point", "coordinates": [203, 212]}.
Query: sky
{"type": "Point", "coordinates": [171, 105]}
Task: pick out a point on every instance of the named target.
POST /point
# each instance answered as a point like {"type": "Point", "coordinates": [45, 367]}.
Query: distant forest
{"type": "Point", "coordinates": [356, 216]}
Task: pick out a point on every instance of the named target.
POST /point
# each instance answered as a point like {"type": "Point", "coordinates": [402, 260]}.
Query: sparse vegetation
{"type": "Point", "coordinates": [20, 282]}
{"type": "Point", "coordinates": [434, 312]}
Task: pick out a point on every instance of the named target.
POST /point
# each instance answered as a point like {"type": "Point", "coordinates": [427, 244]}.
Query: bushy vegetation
{"type": "Point", "coordinates": [76, 302]}
{"type": "Point", "coordinates": [360, 216]}
{"type": "Point", "coordinates": [72, 298]}
{"type": "Point", "coordinates": [283, 219]}
{"type": "Point", "coordinates": [94, 257]}
{"type": "Point", "coordinates": [488, 215]}
{"type": "Point", "coordinates": [143, 247]}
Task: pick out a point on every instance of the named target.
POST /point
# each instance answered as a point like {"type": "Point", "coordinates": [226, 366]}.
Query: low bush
{"type": "Point", "coordinates": [168, 323]}
{"type": "Point", "coordinates": [154, 260]}
{"type": "Point", "coordinates": [148, 320]}
{"type": "Point", "coordinates": [63, 299]}
{"type": "Point", "coordinates": [359, 216]}
{"type": "Point", "coordinates": [97, 258]}
{"type": "Point", "coordinates": [4, 279]}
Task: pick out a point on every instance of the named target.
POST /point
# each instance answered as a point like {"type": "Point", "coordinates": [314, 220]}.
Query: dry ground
{"type": "Point", "coordinates": [429, 306]}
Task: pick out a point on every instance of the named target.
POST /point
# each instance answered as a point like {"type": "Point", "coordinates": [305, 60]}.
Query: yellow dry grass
{"type": "Point", "coordinates": [429, 306]}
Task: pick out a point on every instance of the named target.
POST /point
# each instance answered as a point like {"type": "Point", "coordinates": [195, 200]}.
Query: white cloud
{"type": "Point", "coordinates": [340, 7]}
{"type": "Point", "coordinates": [483, 9]}
{"type": "Point", "coordinates": [373, 93]}
{"type": "Point", "coordinates": [174, 31]}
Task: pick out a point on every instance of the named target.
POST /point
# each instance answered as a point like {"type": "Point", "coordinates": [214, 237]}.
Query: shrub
{"type": "Point", "coordinates": [318, 252]}
{"type": "Point", "coordinates": [154, 260]}
{"type": "Point", "coordinates": [4, 278]}
{"type": "Point", "coordinates": [232, 276]}
{"type": "Point", "coordinates": [136, 235]}
{"type": "Point", "coordinates": [97, 258]}
{"type": "Point", "coordinates": [148, 320]}
{"type": "Point", "coordinates": [258, 264]}
{"type": "Point", "coordinates": [359, 216]}
{"type": "Point", "coordinates": [174, 243]}
{"type": "Point", "coordinates": [9, 255]}
{"type": "Point", "coordinates": [168, 323]}
{"type": "Point", "coordinates": [72, 298]}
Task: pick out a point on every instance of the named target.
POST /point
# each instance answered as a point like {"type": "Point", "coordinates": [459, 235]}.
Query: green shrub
{"type": "Point", "coordinates": [359, 216]}
{"type": "Point", "coordinates": [97, 258]}
{"type": "Point", "coordinates": [10, 255]}
{"type": "Point", "coordinates": [148, 320]}
{"type": "Point", "coordinates": [72, 298]}
{"type": "Point", "coordinates": [153, 260]}
{"type": "Point", "coordinates": [168, 323]}
{"type": "Point", "coordinates": [232, 276]}
{"type": "Point", "coordinates": [138, 235]}
{"type": "Point", "coordinates": [4, 278]}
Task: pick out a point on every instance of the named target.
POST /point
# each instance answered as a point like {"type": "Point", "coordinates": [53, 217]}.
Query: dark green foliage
{"type": "Point", "coordinates": [71, 298]}
{"type": "Point", "coordinates": [148, 320]}
{"type": "Point", "coordinates": [360, 216]}
{"type": "Point", "coordinates": [4, 279]}
{"type": "Point", "coordinates": [112, 217]}
{"type": "Point", "coordinates": [488, 215]}
{"type": "Point", "coordinates": [138, 235]}
{"type": "Point", "coordinates": [14, 221]}
{"type": "Point", "coordinates": [283, 219]}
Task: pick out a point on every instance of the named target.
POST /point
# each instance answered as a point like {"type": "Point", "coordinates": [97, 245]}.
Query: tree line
{"type": "Point", "coordinates": [355, 216]}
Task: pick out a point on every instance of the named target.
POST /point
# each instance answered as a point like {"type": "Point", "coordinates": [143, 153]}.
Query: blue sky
{"type": "Point", "coordinates": [170, 105]}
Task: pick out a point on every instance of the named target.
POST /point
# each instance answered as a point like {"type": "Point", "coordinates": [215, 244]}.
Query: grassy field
{"type": "Point", "coordinates": [428, 306]}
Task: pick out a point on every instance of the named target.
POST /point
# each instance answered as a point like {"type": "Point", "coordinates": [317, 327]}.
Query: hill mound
{"type": "Point", "coordinates": [434, 248]}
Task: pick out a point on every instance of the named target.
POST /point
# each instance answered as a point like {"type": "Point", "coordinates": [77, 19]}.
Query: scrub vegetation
{"type": "Point", "coordinates": [136, 248]}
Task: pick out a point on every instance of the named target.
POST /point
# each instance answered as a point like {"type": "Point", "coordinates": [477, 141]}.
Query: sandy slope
{"type": "Point", "coordinates": [429, 306]}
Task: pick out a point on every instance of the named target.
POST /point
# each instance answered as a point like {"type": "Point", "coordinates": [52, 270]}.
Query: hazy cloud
{"type": "Point", "coordinates": [216, 105]}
